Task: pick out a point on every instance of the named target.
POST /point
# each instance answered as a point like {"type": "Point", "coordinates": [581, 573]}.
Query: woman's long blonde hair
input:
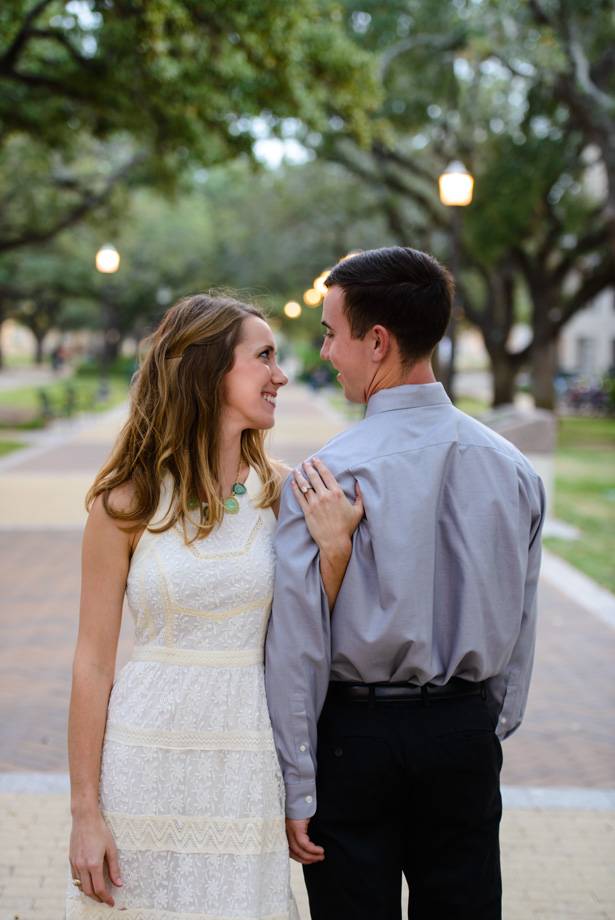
{"type": "Point", "coordinates": [174, 422]}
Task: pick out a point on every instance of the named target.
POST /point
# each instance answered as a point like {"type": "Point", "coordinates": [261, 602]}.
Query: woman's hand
{"type": "Point", "coordinates": [330, 517]}
{"type": "Point", "coordinates": [91, 846]}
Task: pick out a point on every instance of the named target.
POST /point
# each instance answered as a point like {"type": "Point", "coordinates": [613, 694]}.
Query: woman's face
{"type": "Point", "coordinates": [250, 387]}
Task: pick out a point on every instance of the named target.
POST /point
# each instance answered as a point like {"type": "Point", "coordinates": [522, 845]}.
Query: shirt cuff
{"type": "Point", "coordinates": [509, 718]}
{"type": "Point", "coordinates": [300, 800]}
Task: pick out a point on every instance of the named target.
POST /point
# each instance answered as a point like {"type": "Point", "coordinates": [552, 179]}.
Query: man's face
{"type": "Point", "coordinates": [347, 355]}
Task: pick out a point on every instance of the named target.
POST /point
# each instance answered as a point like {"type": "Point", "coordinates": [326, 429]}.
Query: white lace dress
{"type": "Point", "coordinates": [190, 782]}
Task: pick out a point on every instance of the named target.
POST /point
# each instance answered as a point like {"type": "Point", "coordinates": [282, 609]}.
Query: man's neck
{"type": "Point", "coordinates": [395, 376]}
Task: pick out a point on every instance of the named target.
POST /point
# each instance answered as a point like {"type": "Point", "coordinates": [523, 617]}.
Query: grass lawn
{"type": "Point", "coordinates": [585, 496]}
{"type": "Point", "coordinates": [471, 405]}
{"type": "Point", "coordinates": [27, 399]}
{"type": "Point", "coordinates": [6, 447]}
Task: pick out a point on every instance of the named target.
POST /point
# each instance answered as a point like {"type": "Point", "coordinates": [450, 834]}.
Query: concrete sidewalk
{"type": "Point", "coordinates": [558, 838]}
{"type": "Point", "coordinates": [556, 863]}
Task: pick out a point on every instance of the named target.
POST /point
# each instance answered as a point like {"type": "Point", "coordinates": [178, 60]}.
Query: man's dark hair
{"type": "Point", "coordinates": [406, 291]}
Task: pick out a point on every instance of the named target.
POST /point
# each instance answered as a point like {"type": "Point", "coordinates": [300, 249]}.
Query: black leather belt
{"type": "Point", "coordinates": [390, 693]}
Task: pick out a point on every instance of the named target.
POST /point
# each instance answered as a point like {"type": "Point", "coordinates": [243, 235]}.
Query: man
{"type": "Point", "coordinates": [387, 710]}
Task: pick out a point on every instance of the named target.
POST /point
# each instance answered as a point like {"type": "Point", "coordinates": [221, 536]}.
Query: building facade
{"type": "Point", "coordinates": [587, 341]}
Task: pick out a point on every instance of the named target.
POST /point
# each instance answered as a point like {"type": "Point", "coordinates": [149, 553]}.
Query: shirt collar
{"type": "Point", "coordinates": [409, 396]}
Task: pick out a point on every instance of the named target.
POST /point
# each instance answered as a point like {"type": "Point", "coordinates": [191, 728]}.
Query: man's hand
{"type": "Point", "coordinates": [301, 847]}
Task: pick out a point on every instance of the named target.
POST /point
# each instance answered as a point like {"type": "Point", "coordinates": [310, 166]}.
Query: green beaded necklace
{"type": "Point", "coordinates": [231, 504]}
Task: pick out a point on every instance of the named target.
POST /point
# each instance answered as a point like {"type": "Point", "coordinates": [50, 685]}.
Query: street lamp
{"type": "Point", "coordinates": [107, 259]}
{"type": "Point", "coordinates": [319, 283]}
{"type": "Point", "coordinates": [456, 188]}
{"type": "Point", "coordinates": [312, 297]}
{"type": "Point", "coordinates": [292, 309]}
{"type": "Point", "coordinates": [107, 263]}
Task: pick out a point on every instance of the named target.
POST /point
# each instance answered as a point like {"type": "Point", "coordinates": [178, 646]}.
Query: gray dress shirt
{"type": "Point", "coordinates": [441, 582]}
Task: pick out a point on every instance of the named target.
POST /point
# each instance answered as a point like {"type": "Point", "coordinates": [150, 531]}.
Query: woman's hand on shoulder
{"type": "Point", "coordinates": [330, 517]}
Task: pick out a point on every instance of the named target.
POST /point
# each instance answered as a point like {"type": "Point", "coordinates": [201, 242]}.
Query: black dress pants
{"type": "Point", "coordinates": [408, 787]}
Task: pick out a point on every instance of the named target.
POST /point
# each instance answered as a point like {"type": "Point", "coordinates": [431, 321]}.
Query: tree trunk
{"type": "Point", "coordinates": [504, 373]}
{"type": "Point", "coordinates": [449, 370]}
{"type": "Point", "coordinates": [111, 348]}
{"type": "Point", "coordinates": [39, 354]}
{"type": "Point", "coordinates": [544, 366]}
{"type": "Point", "coordinates": [1, 352]}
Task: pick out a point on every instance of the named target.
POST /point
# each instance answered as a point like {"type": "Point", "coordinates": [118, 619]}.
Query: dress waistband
{"type": "Point", "coordinates": [225, 658]}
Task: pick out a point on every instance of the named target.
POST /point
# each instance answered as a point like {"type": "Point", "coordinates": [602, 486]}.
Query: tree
{"type": "Point", "coordinates": [263, 234]}
{"type": "Point", "coordinates": [584, 81]}
{"type": "Point", "coordinates": [157, 88]}
{"type": "Point", "coordinates": [474, 81]}
{"type": "Point", "coordinates": [43, 194]}
{"type": "Point", "coordinates": [37, 284]}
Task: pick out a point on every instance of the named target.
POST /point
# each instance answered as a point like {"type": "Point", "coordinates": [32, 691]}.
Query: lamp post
{"type": "Point", "coordinates": [292, 309]}
{"type": "Point", "coordinates": [107, 263]}
{"type": "Point", "coordinates": [456, 187]}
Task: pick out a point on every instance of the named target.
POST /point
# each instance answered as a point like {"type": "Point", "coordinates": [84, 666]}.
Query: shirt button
{"type": "Point", "coordinates": [503, 720]}
{"type": "Point", "coordinates": [302, 748]}
{"type": "Point", "coordinates": [309, 799]}
{"type": "Point", "coordinates": [338, 752]}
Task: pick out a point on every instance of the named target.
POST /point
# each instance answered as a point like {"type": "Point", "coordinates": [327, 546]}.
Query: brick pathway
{"type": "Point", "coordinates": [566, 739]}
{"type": "Point", "coordinates": [555, 863]}
{"type": "Point", "coordinates": [556, 860]}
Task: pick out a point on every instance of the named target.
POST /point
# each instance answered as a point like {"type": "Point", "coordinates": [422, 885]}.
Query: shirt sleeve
{"type": "Point", "coordinates": [509, 689]}
{"type": "Point", "coordinates": [297, 656]}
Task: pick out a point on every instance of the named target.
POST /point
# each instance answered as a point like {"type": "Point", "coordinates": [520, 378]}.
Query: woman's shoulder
{"type": "Point", "coordinates": [108, 510]}
{"type": "Point", "coordinates": [118, 500]}
{"type": "Point", "coordinates": [122, 497]}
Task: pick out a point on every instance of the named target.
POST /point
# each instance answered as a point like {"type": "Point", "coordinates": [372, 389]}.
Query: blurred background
{"type": "Point", "coordinates": [152, 150]}
{"type": "Point", "coordinates": [147, 154]}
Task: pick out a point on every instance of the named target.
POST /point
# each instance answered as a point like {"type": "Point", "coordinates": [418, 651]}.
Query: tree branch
{"type": "Point", "coordinates": [413, 193]}
{"type": "Point", "coordinates": [60, 38]}
{"type": "Point", "coordinates": [437, 44]}
{"type": "Point", "coordinates": [602, 69]}
{"type": "Point", "coordinates": [580, 68]}
{"type": "Point", "coordinates": [394, 156]}
{"type": "Point", "coordinates": [8, 59]}
{"type": "Point", "coordinates": [539, 14]}
{"type": "Point", "coordinates": [89, 201]}
{"type": "Point", "coordinates": [602, 276]}
{"type": "Point", "coordinates": [554, 231]}
{"type": "Point", "coordinates": [593, 240]}
{"type": "Point", "coordinates": [68, 90]}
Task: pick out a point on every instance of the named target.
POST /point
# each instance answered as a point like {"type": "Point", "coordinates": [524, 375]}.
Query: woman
{"type": "Point", "coordinates": [177, 798]}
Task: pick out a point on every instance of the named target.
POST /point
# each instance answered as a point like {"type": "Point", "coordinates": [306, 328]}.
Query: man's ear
{"type": "Point", "coordinates": [380, 344]}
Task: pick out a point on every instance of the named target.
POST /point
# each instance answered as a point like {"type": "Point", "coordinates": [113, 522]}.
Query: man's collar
{"type": "Point", "coordinates": [409, 396]}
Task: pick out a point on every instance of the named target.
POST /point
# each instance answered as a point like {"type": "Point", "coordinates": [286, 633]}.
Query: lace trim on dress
{"type": "Point", "coordinates": [261, 603]}
{"type": "Point", "coordinates": [190, 740]}
{"type": "Point", "coordinates": [227, 658]}
{"type": "Point", "coordinates": [230, 554]}
{"type": "Point", "coordinates": [81, 907]}
{"type": "Point", "coordinates": [181, 834]}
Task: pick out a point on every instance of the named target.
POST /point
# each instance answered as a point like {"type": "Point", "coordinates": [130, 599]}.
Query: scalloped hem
{"type": "Point", "coordinates": [83, 908]}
